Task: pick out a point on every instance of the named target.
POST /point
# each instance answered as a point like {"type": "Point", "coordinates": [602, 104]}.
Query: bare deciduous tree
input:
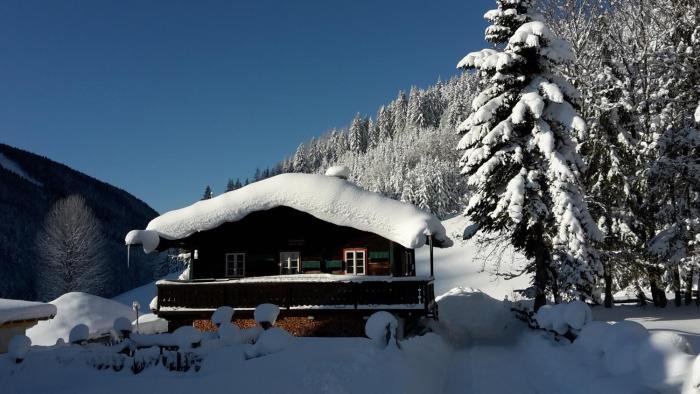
{"type": "Point", "coordinates": [70, 250]}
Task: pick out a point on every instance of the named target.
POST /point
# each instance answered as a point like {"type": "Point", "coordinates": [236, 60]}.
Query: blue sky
{"type": "Point", "coordinates": [161, 98]}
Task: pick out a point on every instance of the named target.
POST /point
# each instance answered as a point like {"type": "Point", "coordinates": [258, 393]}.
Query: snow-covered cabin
{"type": "Point", "coordinates": [16, 316]}
{"type": "Point", "coordinates": [301, 241]}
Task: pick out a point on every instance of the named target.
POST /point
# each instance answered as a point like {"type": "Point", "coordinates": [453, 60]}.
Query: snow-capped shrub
{"type": "Point", "coordinates": [273, 340]}
{"type": "Point", "coordinates": [381, 328]}
{"type": "Point", "coordinates": [576, 314]}
{"type": "Point", "coordinates": [270, 341]}
{"type": "Point", "coordinates": [664, 360]}
{"type": "Point", "coordinates": [250, 335]}
{"type": "Point", "coordinates": [266, 313]}
{"type": "Point", "coordinates": [563, 318]}
{"type": "Point", "coordinates": [19, 347]}
{"type": "Point", "coordinates": [78, 334]}
{"type": "Point", "coordinates": [222, 314]}
{"type": "Point", "coordinates": [187, 337]}
{"type": "Point", "coordinates": [229, 333]}
{"type": "Point", "coordinates": [122, 325]}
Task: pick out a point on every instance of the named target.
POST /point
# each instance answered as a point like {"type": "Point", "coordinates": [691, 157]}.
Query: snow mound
{"type": "Point", "coordinates": [270, 341]}
{"type": "Point", "coordinates": [664, 361]}
{"type": "Point", "coordinates": [381, 328]}
{"type": "Point", "coordinates": [97, 313]}
{"type": "Point", "coordinates": [78, 334]}
{"type": "Point", "coordinates": [591, 337]}
{"type": "Point", "coordinates": [620, 346]}
{"type": "Point", "coordinates": [327, 198]}
{"type": "Point", "coordinates": [151, 324]}
{"type": "Point", "coordinates": [468, 314]}
{"type": "Point", "coordinates": [12, 310]}
{"type": "Point", "coordinates": [341, 172]}
{"type": "Point", "coordinates": [19, 347]}
{"type": "Point", "coordinates": [221, 315]}
{"type": "Point", "coordinates": [266, 313]}
{"type": "Point", "coordinates": [186, 337]}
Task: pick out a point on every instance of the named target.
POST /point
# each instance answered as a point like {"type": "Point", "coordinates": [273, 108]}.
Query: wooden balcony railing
{"type": "Point", "coordinates": [190, 298]}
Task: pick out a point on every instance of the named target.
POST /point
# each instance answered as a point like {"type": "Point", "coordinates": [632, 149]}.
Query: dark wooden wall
{"type": "Point", "coordinates": [263, 235]}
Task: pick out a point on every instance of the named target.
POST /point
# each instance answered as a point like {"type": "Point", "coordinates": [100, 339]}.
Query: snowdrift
{"type": "Point", "coordinates": [97, 313]}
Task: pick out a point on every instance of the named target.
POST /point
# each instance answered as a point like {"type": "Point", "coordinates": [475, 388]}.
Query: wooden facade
{"type": "Point", "coordinates": [263, 238]}
{"type": "Point", "coordinates": [349, 270]}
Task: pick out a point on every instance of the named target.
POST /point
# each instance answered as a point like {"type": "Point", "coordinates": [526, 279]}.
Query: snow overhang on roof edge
{"type": "Point", "coordinates": [327, 198]}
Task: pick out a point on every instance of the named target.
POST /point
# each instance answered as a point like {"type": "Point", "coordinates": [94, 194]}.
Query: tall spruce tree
{"type": "Point", "coordinates": [519, 156]}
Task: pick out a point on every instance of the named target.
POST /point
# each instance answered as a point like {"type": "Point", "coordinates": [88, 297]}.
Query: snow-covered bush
{"type": "Point", "coordinates": [270, 341]}
{"type": "Point", "coordinates": [229, 334]}
{"type": "Point", "coordinates": [222, 314]}
{"type": "Point", "coordinates": [266, 314]}
{"type": "Point", "coordinates": [187, 337]}
{"type": "Point", "coordinates": [564, 318]}
{"type": "Point", "coordinates": [381, 329]}
{"type": "Point", "coordinates": [250, 335]}
{"type": "Point", "coordinates": [19, 347]}
{"type": "Point", "coordinates": [79, 334]}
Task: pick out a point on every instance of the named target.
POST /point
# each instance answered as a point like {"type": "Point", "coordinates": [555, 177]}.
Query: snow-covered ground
{"type": "Point", "coordinates": [478, 347]}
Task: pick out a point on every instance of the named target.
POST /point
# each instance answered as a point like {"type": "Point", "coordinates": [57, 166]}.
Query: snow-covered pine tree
{"type": "Point", "coordinates": [674, 175]}
{"type": "Point", "coordinates": [299, 159]}
{"type": "Point", "coordinates": [357, 135]}
{"type": "Point", "coordinates": [398, 108]}
{"type": "Point", "coordinates": [520, 158]}
{"type": "Point", "coordinates": [384, 125]}
{"type": "Point", "coordinates": [230, 185]}
{"type": "Point", "coordinates": [207, 193]}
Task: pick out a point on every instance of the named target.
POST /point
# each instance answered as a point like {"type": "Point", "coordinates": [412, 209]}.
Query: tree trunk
{"type": "Point", "coordinates": [607, 276]}
{"type": "Point", "coordinates": [541, 276]}
{"type": "Point", "coordinates": [677, 287]}
{"type": "Point", "coordinates": [697, 294]}
{"type": "Point", "coordinates": [657, 295]}
{"type": "Point", "coordinates": [689, 287]}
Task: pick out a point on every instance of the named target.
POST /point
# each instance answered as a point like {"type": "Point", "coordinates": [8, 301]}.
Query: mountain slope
{"type": "Point", "coordinates": [29, 186]}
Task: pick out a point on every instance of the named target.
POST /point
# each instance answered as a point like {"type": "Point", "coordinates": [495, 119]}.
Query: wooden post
{"type": "Point", "coordinates": [430, 241]}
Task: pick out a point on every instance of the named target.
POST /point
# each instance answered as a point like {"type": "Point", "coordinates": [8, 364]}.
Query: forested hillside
{"type": "Point", "coordinates": [406, 151]}
{"type": "Point", "coordinates": [30, 185]}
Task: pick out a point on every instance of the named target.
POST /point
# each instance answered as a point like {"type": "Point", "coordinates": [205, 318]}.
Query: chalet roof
{"type": "Point", "coordinates": [328, 198]}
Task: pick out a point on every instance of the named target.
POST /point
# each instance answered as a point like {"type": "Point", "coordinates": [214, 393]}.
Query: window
{"type": "Point", "coordinates": [289, 263]}
{"type": "Point", "coordinates": [235, 265]}
{"type": "Point", "coordinates": [355, 261]}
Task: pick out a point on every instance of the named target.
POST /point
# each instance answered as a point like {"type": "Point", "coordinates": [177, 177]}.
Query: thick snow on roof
{"type": "Point", "coordinates": [328, 198]}
{"type": "Point", "coordinates": [15, 310]}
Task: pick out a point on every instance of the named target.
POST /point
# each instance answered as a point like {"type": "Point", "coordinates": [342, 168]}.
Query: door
{"type": "Point", "coordinates": [235, 264]}
{"type": "Point", "coordinates": [355, 260]}
{"type": "Point", "coordinates": [289, 263]}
